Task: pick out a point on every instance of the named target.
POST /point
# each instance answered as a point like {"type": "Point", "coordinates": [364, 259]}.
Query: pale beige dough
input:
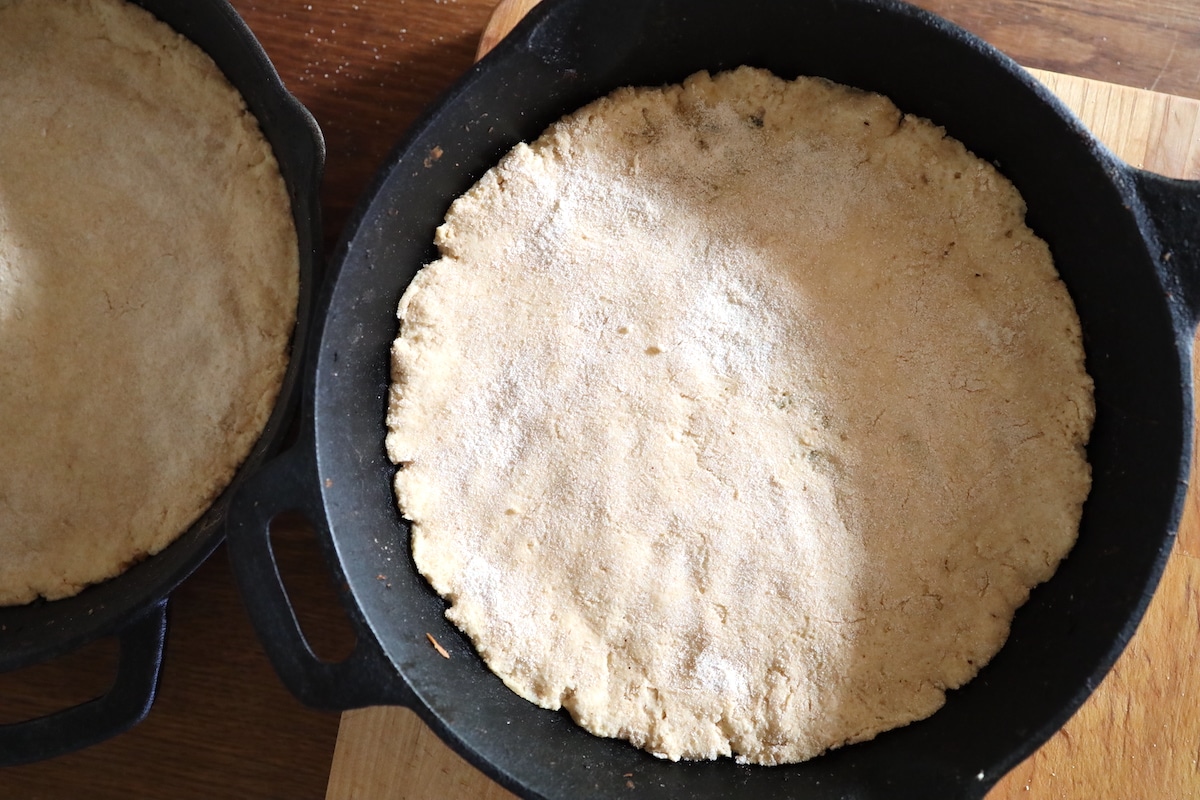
{"type": "Point", "coordinates": [148, 287]}
{"type": "Point", "coordinates": [738, 417]}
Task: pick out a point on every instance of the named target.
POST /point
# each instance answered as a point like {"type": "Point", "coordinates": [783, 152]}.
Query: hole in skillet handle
{"type": "Point", "coordinates": [59, 682]}
{"type": "Point", "coordinates": [314, 597]}
{"type": "Point", "coordinates": [1173, 219]}
{"type": "Point", "coordinates": [287, 485]}
{"type": "Point", "coordinates": [124, 705]}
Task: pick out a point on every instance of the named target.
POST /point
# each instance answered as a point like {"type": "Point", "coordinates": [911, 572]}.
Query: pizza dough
{"type": "Point", "coordinates": [148, 289]}
{"type": "Point", "coordinates": [738, 417]}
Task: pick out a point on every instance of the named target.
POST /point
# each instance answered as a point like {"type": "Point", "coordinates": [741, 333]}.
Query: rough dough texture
{"type": "Point", "coordinates": [148, 288]}
{"type": "Point", "coordinates": [739, 416]}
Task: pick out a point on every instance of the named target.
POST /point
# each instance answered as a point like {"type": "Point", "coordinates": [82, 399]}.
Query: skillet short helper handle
{"type": "Point", "coordinates": [124, 705]}
{"type": "Point", "coordinates": [1174, 209]}
{"type": "Point", "coordinates": [366, 677]}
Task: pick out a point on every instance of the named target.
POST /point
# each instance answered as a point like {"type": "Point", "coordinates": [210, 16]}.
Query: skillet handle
{"type": "Point", "coordinates": [124, 705]}
{"type": "Point", "coordinates": [366, 677]}
{"type": "Point", "coordinates": [1173, 207]}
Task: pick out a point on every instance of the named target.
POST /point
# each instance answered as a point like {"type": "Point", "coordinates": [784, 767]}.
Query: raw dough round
{"type": "Point", "coordinates": [148, 289]}
{"type": "Point", "coordinates": [739, 416]}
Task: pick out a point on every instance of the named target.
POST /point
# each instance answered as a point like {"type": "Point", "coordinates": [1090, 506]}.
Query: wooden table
{"type": "Point", "coordinates": [223, 726]}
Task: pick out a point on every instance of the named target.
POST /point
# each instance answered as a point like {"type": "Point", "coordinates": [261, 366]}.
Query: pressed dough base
{"type": "Point", "coordinates": [148, 288]}
{"type": "Point", "coordinates": [738, 417]}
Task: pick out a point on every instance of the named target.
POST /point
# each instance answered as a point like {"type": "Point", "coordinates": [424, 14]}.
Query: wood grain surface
{"type": "Point", "coordinates": [224, 727]}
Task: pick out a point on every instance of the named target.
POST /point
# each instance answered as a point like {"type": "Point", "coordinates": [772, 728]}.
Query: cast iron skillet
{"type": "Point", "coordinates": [1123, 240]}
{"type": "Point", "coordinates": [133, 605]}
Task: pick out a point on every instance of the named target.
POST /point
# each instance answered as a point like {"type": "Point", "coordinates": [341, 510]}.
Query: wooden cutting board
{"type": "Point", "coordinates": [1138, 736]}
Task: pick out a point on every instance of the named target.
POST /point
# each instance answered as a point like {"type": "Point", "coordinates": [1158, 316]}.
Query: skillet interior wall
{"type": "Point", "coordinates": [573, 51]}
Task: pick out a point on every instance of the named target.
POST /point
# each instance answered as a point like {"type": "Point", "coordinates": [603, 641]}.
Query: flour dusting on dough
{"type": "Point", "coordinates": [738, 417]}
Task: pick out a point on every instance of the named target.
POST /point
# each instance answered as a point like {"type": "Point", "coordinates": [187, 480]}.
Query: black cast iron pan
{"type": "Point", "coordinates": [1124, 241]}
{"type": "Point", "coordinates": [132, 606]}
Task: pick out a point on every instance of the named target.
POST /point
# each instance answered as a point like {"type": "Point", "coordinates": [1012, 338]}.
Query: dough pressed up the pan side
{"type": "Point", "coordinates": [148, 289]}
